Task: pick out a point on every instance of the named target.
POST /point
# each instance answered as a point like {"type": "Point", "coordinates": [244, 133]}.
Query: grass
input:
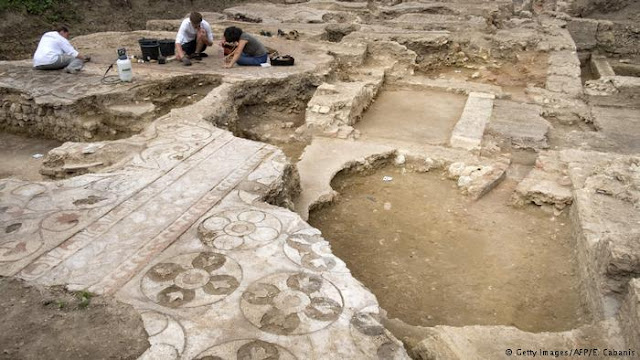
{"type": "Point", "coordinates": [84, 298]}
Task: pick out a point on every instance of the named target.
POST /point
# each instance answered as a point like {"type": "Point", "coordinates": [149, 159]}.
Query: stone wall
{"type": "Point", "coordinates": [612, 37]}
{"type": "Point", "coordinates": [19, 113]}
{"type": "Point", "coordinates": [585, 7]}
{"type": "Point", "coordinates": [629, 316]}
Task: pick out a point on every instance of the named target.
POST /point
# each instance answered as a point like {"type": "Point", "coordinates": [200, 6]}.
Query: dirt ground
{"type": "Point", "coordinates": [529, 68]}
{"type": "Point", "coordinates": [20, 31]}
{"type": "Point", "coordinates": [50, 323]}
{"type": "Point", "coordinates": [274, 125]}
{"type": "Point", "coordinates": [17, 156]}
{"type": "Point", "coordinates": [415, 116]}
{"type": "Point", "coordinates": [432, 257]}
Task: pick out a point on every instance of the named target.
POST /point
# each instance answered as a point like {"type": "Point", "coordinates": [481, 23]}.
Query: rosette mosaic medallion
{"type": "Point", "coordinates": [239, 229]}
{"type": "Point", "coordinates": [192, 280]}
{"type": "Point", "coordinates": [292, 303]}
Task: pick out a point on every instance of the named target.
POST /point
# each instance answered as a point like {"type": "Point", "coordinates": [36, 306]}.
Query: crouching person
{"type": "Point", "coordinates": [248, 50]}
{"type": "Point", "coordinates": [193, 38]}
{"type": "Point", "coordinates": [55, 52]}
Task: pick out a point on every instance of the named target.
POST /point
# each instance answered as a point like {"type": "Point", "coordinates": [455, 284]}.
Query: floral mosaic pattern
{"type": "Point", "coordinates": [246, 350]}
{"type": "Point", "coordinates": [239, 229]}
{"type": "Point", "coordinates": [310, 250]}
{"type": "Point", "coordinates": [291, 303]}
{"type": "Point", "coordinates": [372, 338]}
{"type": "Point", "coordinates": [192, 280]}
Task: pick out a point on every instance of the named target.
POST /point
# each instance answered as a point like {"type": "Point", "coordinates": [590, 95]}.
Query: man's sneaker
{"type": "Point", "coordinates": [203, 55]}
{"type": "Point", "coordinates": [195, 56]}
{"type": "Point", "coordinates": [186, 61]}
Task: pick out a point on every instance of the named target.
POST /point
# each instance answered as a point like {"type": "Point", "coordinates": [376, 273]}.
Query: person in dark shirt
{"type": "Point", "coordinates": [248, 50]}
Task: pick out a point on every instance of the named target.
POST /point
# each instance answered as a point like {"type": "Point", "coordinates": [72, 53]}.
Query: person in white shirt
{"type": "Point", "coordinates": [55, 52]}
{"type": "Point", "coordinates": [193, 38]}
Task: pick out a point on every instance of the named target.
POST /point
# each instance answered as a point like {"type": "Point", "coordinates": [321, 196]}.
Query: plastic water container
{"type": "Point", "coordinates": [124, 69]}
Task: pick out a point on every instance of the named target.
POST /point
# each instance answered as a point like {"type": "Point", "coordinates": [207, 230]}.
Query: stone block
{"type": "Point", "coordinates": [583, 32]}
{"type": "Point", "coordinates": [546, 184]}
{"type": "Point", "coordinates": [521, 124]}
{"type": "Point", "coordinates": [600, 66]}
{"type": "Point", "coordinates": [629, 316]}
{"type": "Point", "coordinates": [467, 133]}
{"type": "Point", "coordinates": [477, 180]}
{"type": "Point", "coordinates": [569, 85]}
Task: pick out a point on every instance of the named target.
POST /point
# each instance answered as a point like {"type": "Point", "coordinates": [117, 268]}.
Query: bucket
{"type": "Point", "coordinates": [150, 49]}
{"type": "Point", "coordinates": [167, 47]}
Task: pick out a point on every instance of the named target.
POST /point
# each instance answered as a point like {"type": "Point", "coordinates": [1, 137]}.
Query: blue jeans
{"type": "Point", "coordinates": [247, 60]}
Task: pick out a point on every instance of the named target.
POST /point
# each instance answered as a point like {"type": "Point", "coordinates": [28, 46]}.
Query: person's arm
{"type": "Point", "coordinates": [68, 49]}
{"type": "Point", "coordinates": [235, 55]}
{"type": "Point", "coordinates": [180, 37]}
{"type": "Point", "coordinates": [179, 51]}
{"type": "Point", "coordinates": [208, 34]}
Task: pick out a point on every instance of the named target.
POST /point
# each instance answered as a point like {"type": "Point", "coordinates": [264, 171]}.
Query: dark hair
{"type": "Point", "coordinates": [232, 34]}
{"type": "Point", "coordinates": [195, 18]}
{"type": "Point", "coordinates": [62, 27]}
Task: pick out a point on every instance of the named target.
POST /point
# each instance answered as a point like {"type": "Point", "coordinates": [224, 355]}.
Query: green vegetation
{"type": "Point", "coordinates": [84, 298]}
{"type": "Point", "coordinates": [35, 7]}
{"type": "Point", "coordinates": [61, 304]}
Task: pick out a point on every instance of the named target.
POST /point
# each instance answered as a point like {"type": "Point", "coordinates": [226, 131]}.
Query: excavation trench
{"type": "Point", "coordinates": [272, 113]}
{"type": "Point", "coordinates": [30, 130]}
{"type": "Point", "coordinates": [114, 115]}
{"type": "Point", "coordinates": [433, 257]}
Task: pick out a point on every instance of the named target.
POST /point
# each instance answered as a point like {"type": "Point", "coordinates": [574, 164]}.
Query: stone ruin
{"type": "Point", "coordinates": [156, 198]}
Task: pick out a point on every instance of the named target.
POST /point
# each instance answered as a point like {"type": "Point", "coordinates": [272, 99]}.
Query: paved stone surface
{"type": "Point", "coordinates": [467, 133]}
{"type": "Point", "coordinates": [621, 125]}
{"type": "Point", "coordinates": [519, 124]}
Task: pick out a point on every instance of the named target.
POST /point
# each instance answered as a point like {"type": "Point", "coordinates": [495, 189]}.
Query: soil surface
{"type": "Point", "coordinates": [20, 31]}
{"type": "Point", "coordinates": [433, 257]}
{"type": "Point", "coordinates": [17, 156]}
{"type": "Point", "coordinates": [275, 125]}
{"type": "Point", "coordinates": [415, 116]}
{"type": "Point", "coordinates": [50, 323]}
{"type": "Point", "coordinates": [528, 68]}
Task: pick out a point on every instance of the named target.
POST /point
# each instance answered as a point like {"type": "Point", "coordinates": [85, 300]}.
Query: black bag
{"type": "Point", "coordinates": [282, 60]}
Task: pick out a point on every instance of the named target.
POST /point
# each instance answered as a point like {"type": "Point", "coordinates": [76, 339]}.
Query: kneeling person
{"type": "Point", "coordinates": [248, 52]}
{"type": "Point", "coordinates": [55, 52]}
{"type": "Point", "coordinates": [193, 38]}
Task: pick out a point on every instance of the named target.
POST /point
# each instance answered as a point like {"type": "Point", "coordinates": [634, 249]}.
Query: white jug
{"type": "Point", "coordinates": [124, 69]}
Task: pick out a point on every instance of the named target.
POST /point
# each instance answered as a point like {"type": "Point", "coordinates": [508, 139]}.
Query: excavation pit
{"type": "Point", "coordinates": [272, 113]}
{"type": "Point", "coordinates": [275, 125]}
{"type": "Point", "coordinates": [433, 257]}
{"type": "Point", "coordinates": [21, 157]}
